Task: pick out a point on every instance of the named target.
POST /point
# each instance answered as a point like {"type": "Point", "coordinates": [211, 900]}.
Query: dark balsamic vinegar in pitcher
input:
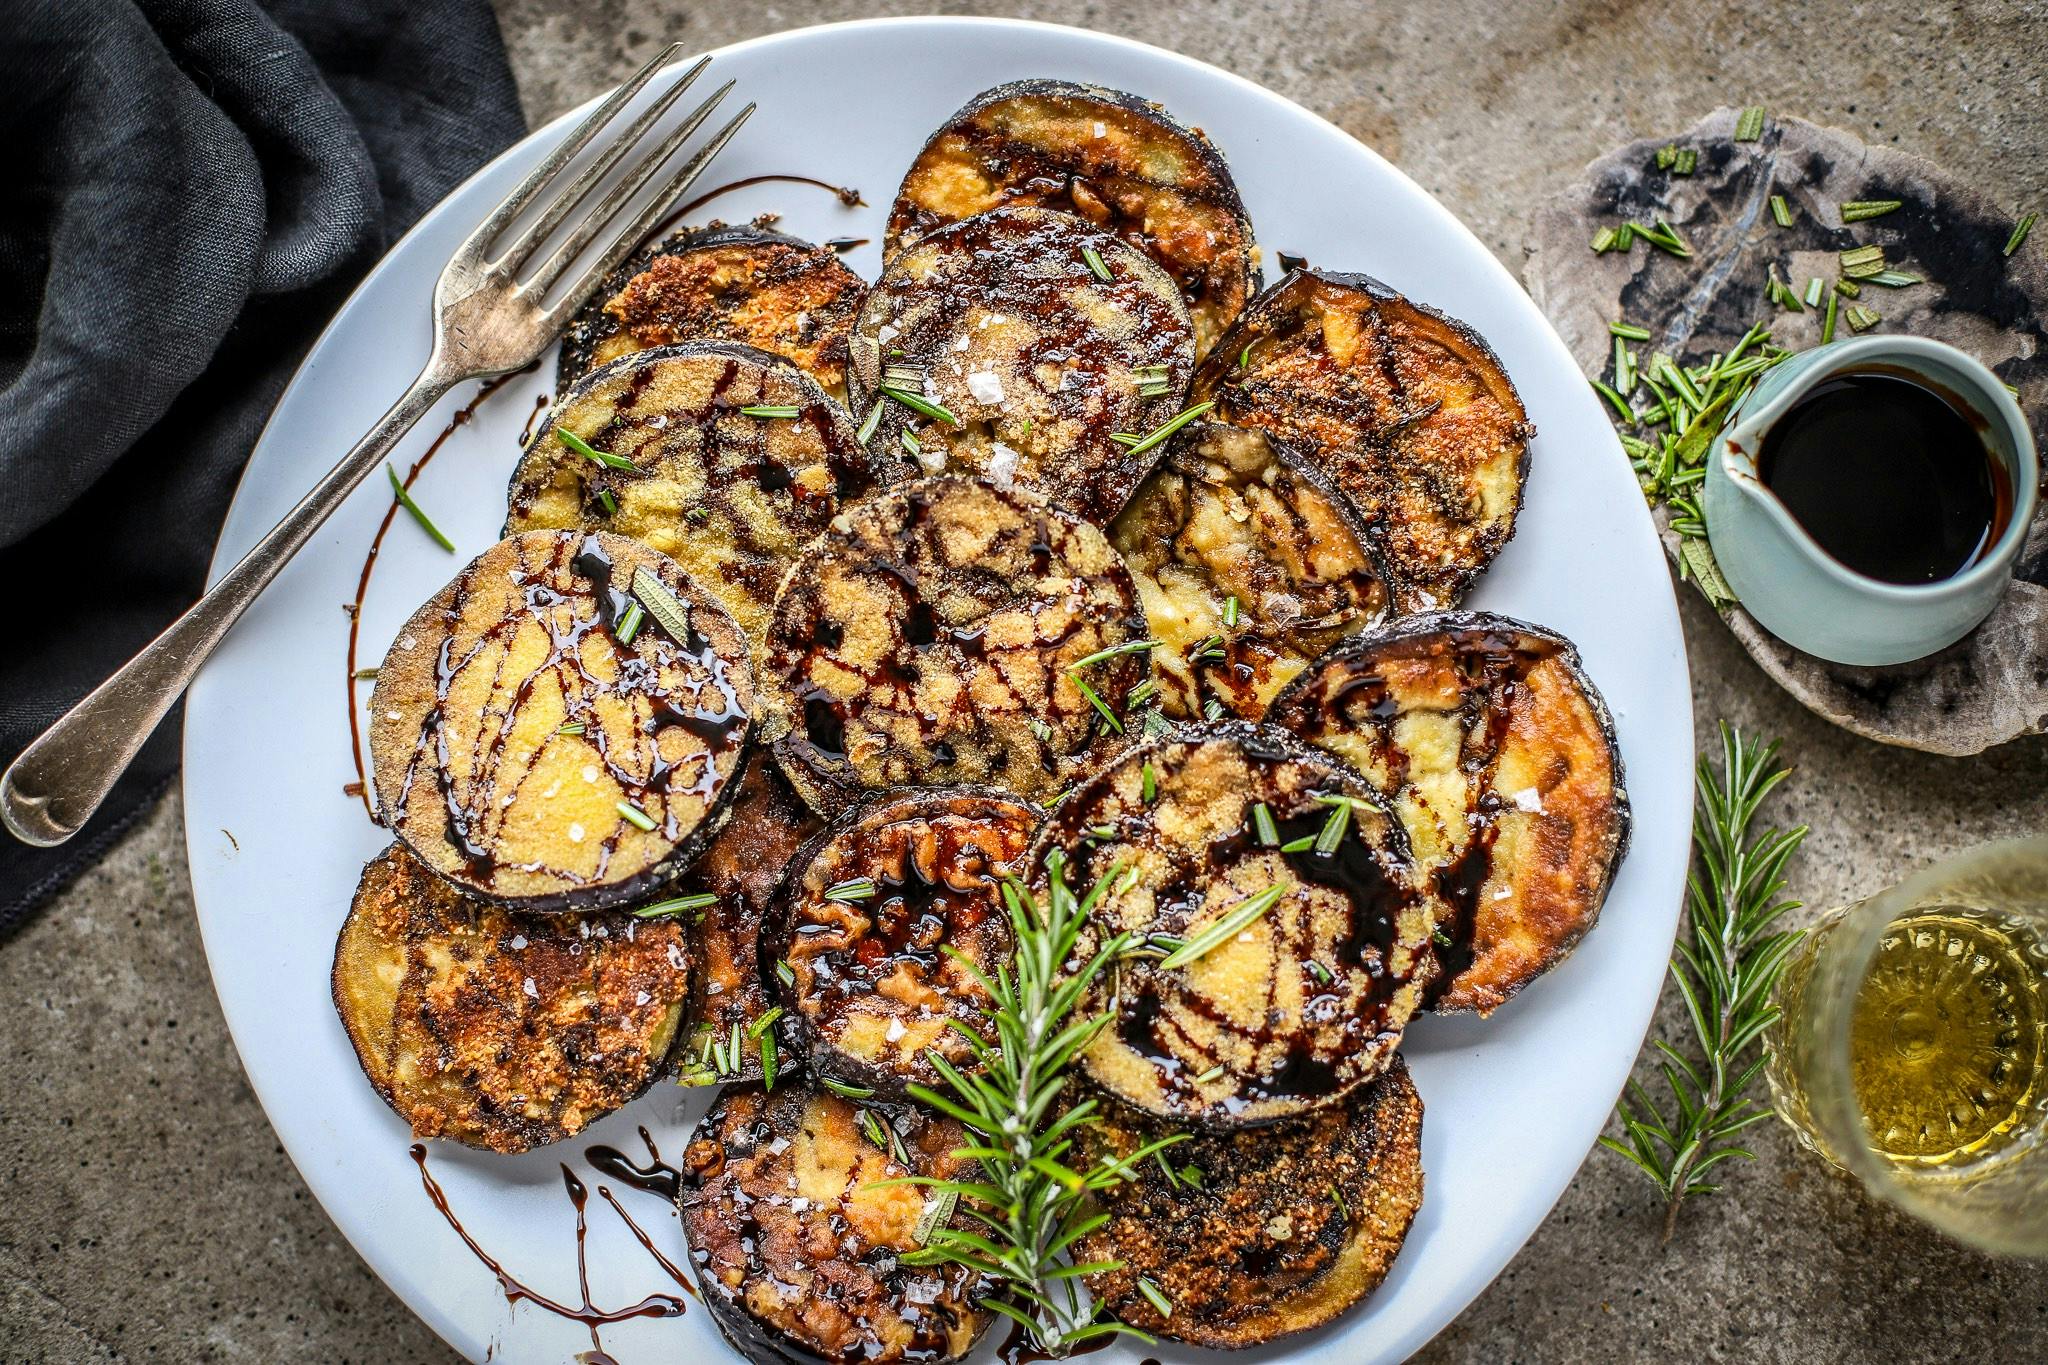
{"type": "Point", "coordinates": [1889, 475]}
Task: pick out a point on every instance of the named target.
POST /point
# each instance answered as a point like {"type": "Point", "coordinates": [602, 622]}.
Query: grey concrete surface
{"type": "Point", "coordinates": [150, 1215]}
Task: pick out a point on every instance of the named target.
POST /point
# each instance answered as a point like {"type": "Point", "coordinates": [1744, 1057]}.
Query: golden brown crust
{"type": "Point", "coordinates": [730, 496]}
{"type": "Point", "coordinates": [1003, 321]}
{"type": "Point", "coordinates": [474, 767]}
{"type": "Point", "coordinates": [798, 1248]}
{"type": "Point", "coordinates": [1259, 1235]}
{"type": "Point", "coordinates": [877, 981]}
{"type": "Point", "coordinates": [741, 867]}
{"type": "Point", "coordinates": [1231, 513]}
{"type": "Point", "coordinates": [720, 283]}
{"type": "Point", "coordinates": [927, 639]}
{"type": "Point", "coordinates": [495, 1029]}
{"type": "Point", "coordinates": [1408, 411]}
{"type": "Point", "coordinates": [1303, 1005]}
{"type": "Point", "coordinates": [1500, 758]}
{"type": "Point", "coordinates": [1112, 158]}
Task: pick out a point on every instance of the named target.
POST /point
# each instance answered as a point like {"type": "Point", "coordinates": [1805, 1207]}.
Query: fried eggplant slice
{"type": "Point", "coordinates": [1116, 160]}
{"type": "Point", "coordinates": [1407, 410]}
{"type": "Point", "coordinates": [495, 1029]}
{"type": "Point", "coordinates": [880, 922]}
{"type": "Point", "coordinates": [1277, 955]}
{"type": "Point", "coordinates": [798, 1252]}
{"type": "Point", "coordinates": [726, 459]}
{"type": "Point", "coordinates": [1254, 1236]}
{"type": "Point", "coordinates": [559, 728]}
{"type": "Point", "coordinates": [1250, 564]}
{"type": "Point", "coordinates": [937, 634]}
{"type": "Point", "coordinates": [1499, 756]}
{"type": "Point", "coordinates": [740, 870]}
{"type": "Point", "coordinates": [1018, 345]}
{"type": "Point", "coordinates": [722, 282]}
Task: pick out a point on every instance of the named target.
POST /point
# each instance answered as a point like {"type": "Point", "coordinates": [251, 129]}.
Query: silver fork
{"type": "Point", "coordinates": [488, 320]}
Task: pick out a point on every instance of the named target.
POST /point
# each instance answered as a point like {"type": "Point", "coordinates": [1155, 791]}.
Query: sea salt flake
{"type": "Point", "coordinates": [531, 989]}
{"type": "Point", "coordinates": [1002, 466]}
{"type": "Point", "coordinates": [575, 833]}
{"type": "Point", "coordinates": [985, 385]}
{"type": "Point", "coordinates": [1101, 131]}
{"type": "Point", "coordinates": [518, 942]}
{"type": "Point", "coordinates": [1528, 798]}
{"type": "Point", "coordinates": [896, 1030]}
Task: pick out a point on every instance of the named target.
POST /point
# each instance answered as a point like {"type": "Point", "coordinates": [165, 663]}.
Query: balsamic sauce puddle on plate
{"type": "Point", "coordinates": [1889, 474]}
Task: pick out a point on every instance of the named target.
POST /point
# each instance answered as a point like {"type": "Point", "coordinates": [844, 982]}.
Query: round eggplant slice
{"type": "Point", "coordinates": [798, 1252]}
{"type": "Point", "coordinates": [1500, 758]}
{"type": "Point", "coordinates": [1114, 159]}
{"type": "Point", "coordinates": [726, 459]}
{"type": "Point", "coordinates": [559, 728]}
{"type": "Point", "coordinates": [879, 923]}
{"type": "Point", "coordinates": [1254, 1236]}
{"type": "Point", "coordinates": [1275, 957]}
{"type": "Point", "coordinates": [1408, 411]}
{"type": "Point", "coordinates": [740, 870]}
{"type": "Point", "coordinates": [722, 283]}
{"type": "Point", "coordinates": [949, 632]}
{"type": "Point", "coordinates": [1250, 564]}
{"type": "Point", "coordinates": [1018, 345]}
{"type": "Point", "coordinates": [495, 1029]}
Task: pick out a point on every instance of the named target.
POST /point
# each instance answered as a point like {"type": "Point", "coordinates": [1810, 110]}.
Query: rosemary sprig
{"type": "Point", "coordinates": [1728, 958]}
{"type": "Point", "coordinates": [1233, 921]}
{"type": "Point", "coordinates": [1034, 1199]}
{"type": "Point", "coordinates": [591, 452]}
{"type": "Point", "coordinates": [1138, 445]}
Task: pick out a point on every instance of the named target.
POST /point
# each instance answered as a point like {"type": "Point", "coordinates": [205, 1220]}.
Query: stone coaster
{"type": "Point", "coordinates": [1993, 684]}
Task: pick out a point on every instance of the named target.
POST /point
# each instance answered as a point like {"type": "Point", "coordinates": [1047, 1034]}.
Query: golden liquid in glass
{"type": "Point", "coordinates": [1948, 1039]}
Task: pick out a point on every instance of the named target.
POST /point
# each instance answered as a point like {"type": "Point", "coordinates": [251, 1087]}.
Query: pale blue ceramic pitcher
{"type": "Point", "coordinates": [1805, 596]}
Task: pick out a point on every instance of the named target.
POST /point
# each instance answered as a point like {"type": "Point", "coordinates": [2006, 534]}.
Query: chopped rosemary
{"type": "Point", "coordinates": [1262, 822]}
{"type": "Point", "coordinates": [628, 627]}
{"type": "Point", "coordinates": [590, 452]}
{"type": "Point", "coordinates": [676, 906]}
{"type": "Point", "coordinates": [1095, 700]}
{"type": "Point", "coordinates": [1629, 331]}
{"type": "Point", "coordinates": [910, 444]}
{"type": "Point", "coordinates": [1781, 212]}
{"type": "Point", "coordinates": [1244, 357]}
{"type": "Point", "coordinates": [765, 1022]}
{"type": "Point", "coordinates": [903, 377]}
{"type": "Point", "coordinates": [1862, 319]}
{"type": "Point", "coordinates": [1226, 926]}
{"type": "Point", "coordinates": [938, 1211]}
{"type": "Point", "coordinates": [1848, 289]}
{"type": "Point", "coordinates": [1814, 287]}
{"type": "Point", "coordinates": [772, 410]}
{"type": "Point", "coordinates": [1892, 279]}
{"type": "Point", "coordinates": [1603, 241]}
{"type": "Point", "coordinates": [1321, 973]}
{"type": "Point", "coordinates": [365, 674]}
{"type": "Point", "coordinates": [1142, 693]}
{"type": "Point", "coordinates": [1155, 1296]}
{"type": "Point", "coordinates": [1750, 125]}
{"type": "Point", "coordinates": [869, 423]}
{"type": "Point", "coordinates": [1664, 237]}
{"type": "Point", "coordinates": [2019, 233]}
{"type": "Point", "coordinates": [1856, 210]}
{"type": "Point", "coordinates": [670, 612]}
{"type": "Point", "coordinates": [1096, 264]}
{"type": "Point", "coordinates": [1214, 1073]}
{"type": "Point", "coordinates": [1040, 729]}
{"type": "Point", "coordinates": [1113, 652]}
{"type": "Point", "coordinates": [1148, 783]}
{"type": "Point", "coordinates": [785, 973]}
{"type": "Point", "coordinates": [856, 889]}
{"type": "Point", "coordinates": [872, 1127]}
{"type": "Point", "coordinates": [846, 1091]}
{"type": "Point", "coordinates": [1337, 1196]}
{"type": "Point", "coordinates": [1138, 445]}
{"type": "Point", "coordinates": [769, 1057]}
{"type": "Point", "coordinates": [636, 817]}
{"type": "Point", "coordinates": [1827, 326]}
{"type": "Point", "coordinates": [1331, 835]}
{"type": "Point", "coordinates": [1862, 261]}
{"type": "Point", "coordinates": [918, 403]}
{"type": "Point", "coordinates": [574, 727]}
{"type": "Point", "coordinates": [609, 503]}
{"type": "Point", "coordinates": [404, 496]}
{"type": "Point", "coordinates": [1212, 709]}
{"type": "Point", "coordinates": [1666, 154]}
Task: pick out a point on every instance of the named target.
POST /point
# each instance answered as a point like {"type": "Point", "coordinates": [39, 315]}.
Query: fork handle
{"type": "Point", "coordinates": [54, 786]}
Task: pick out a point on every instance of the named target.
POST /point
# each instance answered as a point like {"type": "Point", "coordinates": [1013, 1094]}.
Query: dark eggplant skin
{"type": "Point", "coordinates": [666, 725]}
{"type": "Point", "coordinates": [927, 639]}
{"type": "Point", "coordinates": [1304, 1005]}
{"type": "Point", "coordinates": [1193, 222]}
{"type": "Point", "coordinates": [730, 987]}
{"type": "Point", "coordinates": [721, 282]}
{"type": "Point", "coordinates": [498, 1030]}
{"type": "Point", "coordinates": [1234, 512]}
{"type": "Point", "coordinates": [797, 1246]}
{"type": "Point", "coordinates": [1506, 771]}
{"type": "Point", "coordinates": [732, 498]}
{"type": "Point", "coordinates": [1269, 1232]}
{"type": "Point", "coordinates": [1038, 360]}
{"type": "Point", "coordinates": [1408, 410]}
{"type": "Point", "coordinates": [937, 857]}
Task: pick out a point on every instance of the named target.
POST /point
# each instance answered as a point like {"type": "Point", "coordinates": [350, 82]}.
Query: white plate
{"type": "Point", "coordinates": [1513, 1104]}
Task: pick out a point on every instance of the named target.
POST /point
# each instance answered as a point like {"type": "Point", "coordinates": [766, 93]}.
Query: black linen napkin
{"type": "Point", "coordinates": [196, 185]}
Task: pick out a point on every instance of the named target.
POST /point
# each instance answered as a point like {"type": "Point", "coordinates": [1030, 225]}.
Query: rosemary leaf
{"type": "Point", "coordinates": [1113, 652]}
{"type": "Point", "coordinates": [845, 1090]}
{"type": "Point", "coordinates": [2019, 233]}
{"type": "Point", "coordinates": [404, 496]}
{"type": "Point", "coordinates": [918, 403]}
{"type": "Point", "coordinates": [1095, 700]}
{"type": "Point", "coordinates": [1629, 331]}
{"type": "Point", "coordinates": [1892, 279]}
{"type": "Point", "coordinates": [1262, 822]}
{"type": "Point", "coordinates": [1856, 210]}
{"type": "Point", "coordinates": [634, 816]}
{"type": "Point", "coordinates": [1096, 264]}
{"type": "Point", "coordinates": [1749, 126]}
{"type": "Point", "coordinates": [1862, 319]}
{"type": "Point", "coordinates": [846, 892]}
{"type": "Point", "coordinates": [1138, 445]}
{"type": "Point", "coordinates": [670, 612]}
{"type": "Point", "coordinates": [1228, 925]}
{"type": "Point", "coordinates": [780, 410]}
{"type": "Point", "coordinates": [869, 423]}
{"type": "Point", "coordinates": [590, 452]}
{"type": "Point", "coordinates": [628, 627]}
{"type": "Point", "coordinates": [676, 906]}
{"type": "Point", "coordinates": [1781, 212]}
